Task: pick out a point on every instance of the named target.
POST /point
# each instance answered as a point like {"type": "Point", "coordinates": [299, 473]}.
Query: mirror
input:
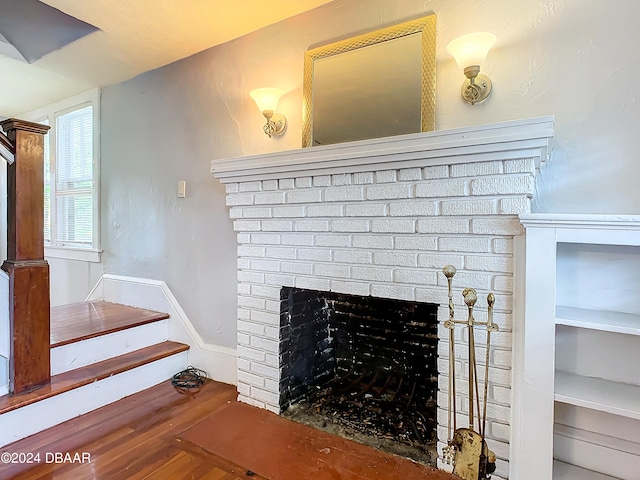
{"type": "Point", "coordinates": [378, 84]}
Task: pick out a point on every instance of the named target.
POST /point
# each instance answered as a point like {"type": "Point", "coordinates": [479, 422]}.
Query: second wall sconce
{"type": "Point", "coordinates": [267, 100]}
{"type": "Point", "coordinates": [470, 51]}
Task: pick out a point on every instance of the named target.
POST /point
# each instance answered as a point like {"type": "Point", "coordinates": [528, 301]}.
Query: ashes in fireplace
{"type": "Point", "coordinates": [361, 367]}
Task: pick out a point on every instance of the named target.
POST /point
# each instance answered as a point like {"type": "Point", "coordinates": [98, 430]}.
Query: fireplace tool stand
{"type": "Point", "coordinates": [466, 448]}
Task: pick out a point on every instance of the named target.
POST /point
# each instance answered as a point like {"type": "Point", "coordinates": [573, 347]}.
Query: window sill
{"type": "Point", "coordinates": [94, 256]}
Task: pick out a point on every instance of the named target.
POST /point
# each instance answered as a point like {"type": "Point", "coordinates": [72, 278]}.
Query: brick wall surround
{"type": "Point", "coordinates": [381, 218]}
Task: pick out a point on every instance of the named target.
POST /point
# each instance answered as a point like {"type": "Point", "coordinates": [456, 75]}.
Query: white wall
{"type": "Point", "coordinates": [574, 59]}
{"type": "Point", "coordinates": [71, 280]}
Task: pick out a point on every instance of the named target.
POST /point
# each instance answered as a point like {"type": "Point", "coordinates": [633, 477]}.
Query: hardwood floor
{"type": "Point", "coordinates": [136, 438]}
{"type": "Point", "coordinates": [161, 434]}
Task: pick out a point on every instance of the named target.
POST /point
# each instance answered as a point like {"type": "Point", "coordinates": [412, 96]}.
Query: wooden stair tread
{"type": "Point", "coordinates": [73, 379]}
{"type": "Point", "coordinates": [83, 320]}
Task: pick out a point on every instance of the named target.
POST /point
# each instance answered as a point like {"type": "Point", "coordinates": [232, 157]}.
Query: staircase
{"type": "Point", "coordinates": [67, 360]}
{"type": "Point", "coordinates": [100, 353]}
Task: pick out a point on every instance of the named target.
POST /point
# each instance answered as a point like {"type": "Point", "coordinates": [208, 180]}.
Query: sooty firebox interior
{"type": "Point", "coordinates": [361, 367]}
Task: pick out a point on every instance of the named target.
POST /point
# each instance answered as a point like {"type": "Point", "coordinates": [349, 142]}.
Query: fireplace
{"type": "Point", "coordinates": [379, 219]}
{"type": "Point", "coordinates": [362, 367]}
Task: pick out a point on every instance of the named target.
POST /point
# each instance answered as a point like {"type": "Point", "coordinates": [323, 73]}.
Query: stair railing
{"type": "Point", "coordinates": [29, 306]}
{"type": "Point", "coordinates": [7, 149]}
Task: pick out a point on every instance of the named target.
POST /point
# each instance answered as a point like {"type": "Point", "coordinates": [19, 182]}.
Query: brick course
{"type": "Point", "coordinates": [384, 233]}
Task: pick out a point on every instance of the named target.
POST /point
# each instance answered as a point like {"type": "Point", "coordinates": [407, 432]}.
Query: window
{"type": "Point", "coordinates": [71, 177]}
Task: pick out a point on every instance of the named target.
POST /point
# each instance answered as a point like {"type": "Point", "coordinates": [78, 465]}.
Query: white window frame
{"type": "Point", "coordinates": [50, 112]}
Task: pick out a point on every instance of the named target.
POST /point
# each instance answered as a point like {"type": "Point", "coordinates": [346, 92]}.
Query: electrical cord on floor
{"type": "Point", "coordinates": [188, 380]}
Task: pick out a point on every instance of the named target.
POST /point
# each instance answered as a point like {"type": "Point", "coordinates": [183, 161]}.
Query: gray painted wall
{"type": "Point", "coordinates": [157, 129]}
{"type": "Point", "coordinates": [574, 59]}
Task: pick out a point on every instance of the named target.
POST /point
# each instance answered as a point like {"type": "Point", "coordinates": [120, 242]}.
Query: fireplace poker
{"type": "Point", "coordinates": [491, 327]}
{"type": "Point", "coordinates": [470, 298]}
{"type": "Point", "coordinates": [449, 271]}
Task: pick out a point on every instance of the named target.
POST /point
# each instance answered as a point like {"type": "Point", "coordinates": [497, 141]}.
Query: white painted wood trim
{"type": "Point", "coordinates": [534, 361]}
{"type": "Point", "coordinates": [38, 416]}
{"type": "Point", "coordinates": [617, 464]}
{"type": "Point", "coordinates": [603, 320]}
{"type": "Point", "coordinates": [565, 471]}
{"type": "Point", "coordinates": [598, 394]}
{"type": "Point", "coordinates": [5, 333]}
{"type": "Point", "coordinates": [590, 436]}
{"type": "Point", "coordinates": [530, 138]}
{"type": "Point", "coordinates": [4, 376]}
{"type": "Point", "coordinates": [580, 221]}
{"type": "Point", "coordinates": [219, 362]}
{"type": "Point", "coordinates": [87, 255]}
{"type": "Point", "coordinates": [92, 350]}
{"type": "Point", "coordinates": [4, 151]}
{"type": "Point", "coordinates": [517, 439]}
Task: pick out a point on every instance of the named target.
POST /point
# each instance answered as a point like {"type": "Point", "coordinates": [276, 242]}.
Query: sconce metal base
{"type": "Point", "coordinates": [276, 124]}
{"type": "Point", "coordinates": [476, 90]}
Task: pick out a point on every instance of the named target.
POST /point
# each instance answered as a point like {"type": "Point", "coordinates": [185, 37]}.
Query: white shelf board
{"type": "Point", "coordinates": [607, 321]}
{"type": "Point", "coordinates": [566, 471]}
{"type": "Point", "coordinates": [598, 394]}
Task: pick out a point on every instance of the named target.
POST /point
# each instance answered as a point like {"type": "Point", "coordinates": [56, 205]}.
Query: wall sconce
{"type": "Point", "coordinates": [470, 51]}
{"type": "Point", "coordinates": [267, 100]}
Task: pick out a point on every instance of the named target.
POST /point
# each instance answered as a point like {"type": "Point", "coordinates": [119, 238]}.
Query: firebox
{"type": "Point", "coordinates": [361, 367]}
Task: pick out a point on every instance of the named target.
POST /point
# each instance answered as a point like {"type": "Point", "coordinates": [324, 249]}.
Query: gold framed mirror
{"type": "Point", "coordinates": [377, 84]}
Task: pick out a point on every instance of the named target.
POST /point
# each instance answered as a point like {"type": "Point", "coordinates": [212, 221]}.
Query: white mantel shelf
{"type": "Point", "coordinates": [581, 221]}
{"type": "Point", "coordinates": [497, 141]}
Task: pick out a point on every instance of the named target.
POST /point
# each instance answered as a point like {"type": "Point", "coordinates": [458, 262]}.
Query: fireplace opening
{"type": "Point", "coordinates": [361, 367]}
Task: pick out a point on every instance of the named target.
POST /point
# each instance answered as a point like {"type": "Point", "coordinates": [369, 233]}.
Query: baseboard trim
{"type": "Point", "coordinates": [219, 362]}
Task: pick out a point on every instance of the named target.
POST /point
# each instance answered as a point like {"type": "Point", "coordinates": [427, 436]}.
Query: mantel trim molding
{"type": "Point", "coordinates": [582, 221]}
{"type": "Point", "coordinates": [497, 141]}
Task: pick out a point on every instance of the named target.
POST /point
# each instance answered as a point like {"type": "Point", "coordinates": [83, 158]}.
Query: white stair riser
{"type": "Point", "coordinates": [34, 418]}
{"type": "Point", "coordinates": [93, 350]}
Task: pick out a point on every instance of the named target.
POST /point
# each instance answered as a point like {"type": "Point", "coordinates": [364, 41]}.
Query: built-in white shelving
{"type": "Point", "coordinates": [582, 295]}
{"type": "Point", "coordinates": [598, 394]}
{"type": "Point", "coordinates": [606, 321]}
{"type": "Point", "coordinates": [565, 471]}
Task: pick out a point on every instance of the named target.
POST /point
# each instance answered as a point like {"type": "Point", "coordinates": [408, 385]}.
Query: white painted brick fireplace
{"type": "Point", "coordinates": [382, 217]}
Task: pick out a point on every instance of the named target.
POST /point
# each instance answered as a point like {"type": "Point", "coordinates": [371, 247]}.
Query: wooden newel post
{"type": "Point", "coordinates": [29, 308]}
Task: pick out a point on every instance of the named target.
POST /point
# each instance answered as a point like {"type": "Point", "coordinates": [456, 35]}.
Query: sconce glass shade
{"type": "Point", "coordinates": [267, 98]}
{"type": "Point", "coordinates": [471, 49]}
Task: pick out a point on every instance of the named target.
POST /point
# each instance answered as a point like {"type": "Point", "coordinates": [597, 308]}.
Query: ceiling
{"type": "Point", "coordinates": [133, 36]}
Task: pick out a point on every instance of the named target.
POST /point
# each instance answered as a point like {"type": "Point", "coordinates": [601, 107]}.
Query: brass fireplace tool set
{"type": "Point", "coordinates": [467, 449]}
